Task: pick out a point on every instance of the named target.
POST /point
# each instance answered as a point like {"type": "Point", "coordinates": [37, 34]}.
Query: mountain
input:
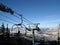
{"type": "Point", "coordinates": [50, 33]}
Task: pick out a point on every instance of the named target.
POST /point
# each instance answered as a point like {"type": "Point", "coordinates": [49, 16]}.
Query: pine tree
{"type": "Point", "coordinates": [7, 29]}
{"type": "Point", "coordinates": [7, 32]}
{"type": "Point", "coordinates": [3, 28]}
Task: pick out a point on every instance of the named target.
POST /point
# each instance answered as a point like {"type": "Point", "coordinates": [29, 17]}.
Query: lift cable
{"type": "Point", "coordinates": [9, 10]}
{"type": "Point", "coordinates": [7, 21]}
{"type": "Point", "coordinates": [22, 17]}
{"type": "Point", "coordinates": [9, 18]}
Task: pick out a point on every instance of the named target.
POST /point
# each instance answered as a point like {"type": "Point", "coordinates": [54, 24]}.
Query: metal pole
{"type": "Point", "coordinates": [21, 19]}
{"type": "Point", "coordinates": [33, 37]}
{"type": "Point", "coordinates": [58, 34]}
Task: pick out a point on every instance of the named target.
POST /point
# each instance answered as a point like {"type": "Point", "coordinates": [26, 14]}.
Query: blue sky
{"type": "Point", "coordinates": [45, 12]}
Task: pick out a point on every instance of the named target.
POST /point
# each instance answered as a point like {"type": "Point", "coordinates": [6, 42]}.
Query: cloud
{"type": "Point", "coordinates": [51, 21]}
